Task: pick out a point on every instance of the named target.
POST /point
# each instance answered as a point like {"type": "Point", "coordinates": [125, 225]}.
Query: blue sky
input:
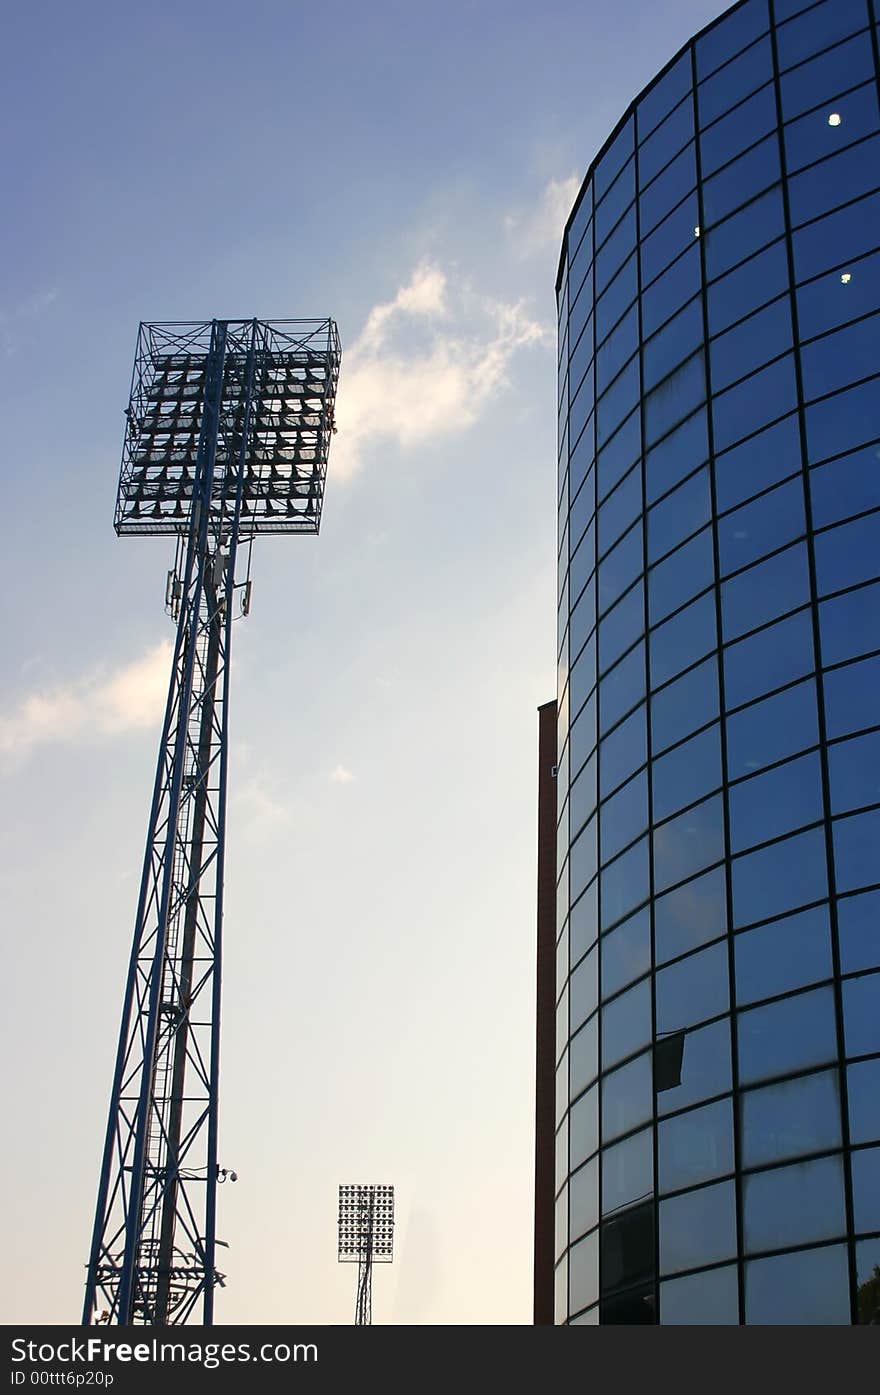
{"type": "Point", "coordinates": [405, 168]}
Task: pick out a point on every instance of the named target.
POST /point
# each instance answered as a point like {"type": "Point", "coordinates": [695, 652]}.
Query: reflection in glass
{"type": "Point", "coordinates": [627, 1171]}
{"type": "Point", "coordinates": [808, 1287]}
{"type": "Point", "coordinates": [708, 1299]}
{"type": "Point", "coordinates": [696, 1146]}
{"type": "Point", "coordinates": [697, 1228]}
{"type": "Point", "coordinates": [790, 1035]}
{"type": "Point", "coordinates": [786, 1120]}
{"type": "Point", "coordinates": [793, 1205]}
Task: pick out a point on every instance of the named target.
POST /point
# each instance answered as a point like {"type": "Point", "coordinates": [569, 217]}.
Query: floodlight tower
{"type": "Point", "coordinates": [229, 425]}
{"type": "Point", "coordinates": [366, 1236]}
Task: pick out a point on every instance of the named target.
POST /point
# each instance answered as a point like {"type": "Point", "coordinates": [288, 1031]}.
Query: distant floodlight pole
{"type": "Point", "coordinates": [366, 1237]}
{"type": "Point", "coordinates": [228, 434]}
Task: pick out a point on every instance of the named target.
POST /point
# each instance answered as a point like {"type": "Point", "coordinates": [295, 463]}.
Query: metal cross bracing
{"type": "Point", "coordinates": [228, 433]}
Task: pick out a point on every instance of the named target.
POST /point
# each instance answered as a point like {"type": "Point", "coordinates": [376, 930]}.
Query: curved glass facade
{"type": "Point", "coordinates": [718, 962]}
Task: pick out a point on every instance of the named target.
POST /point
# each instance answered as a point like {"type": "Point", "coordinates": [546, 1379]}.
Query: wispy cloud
{"type": "Point", "coordinates": [542, 226]}
{"type": "Point", "coordinates": [341, 776]}
{"type": "Point", "coordinates": [425, 365]}
{"type": "Point", "coordinates": [262, 812]}
{"type": "Point", "coordinates": [100, 703]}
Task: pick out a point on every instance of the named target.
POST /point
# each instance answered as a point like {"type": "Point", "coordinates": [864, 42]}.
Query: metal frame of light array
{"type": "Point", "coordinates": [291, 422]}
{"type": "Point", "coordinates": [355, 1213]}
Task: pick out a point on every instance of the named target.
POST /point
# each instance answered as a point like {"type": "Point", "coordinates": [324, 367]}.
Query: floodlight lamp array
{"type": "Point", "coordinates": [366, 1223]}
{"type": "Point", "coordinates": [273, 388]}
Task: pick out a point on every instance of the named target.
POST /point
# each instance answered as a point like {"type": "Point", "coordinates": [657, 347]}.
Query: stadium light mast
{"type": "Point", "coordinates": [366, 1237]}
{"type": "Point", "coordinates": [228, 434]}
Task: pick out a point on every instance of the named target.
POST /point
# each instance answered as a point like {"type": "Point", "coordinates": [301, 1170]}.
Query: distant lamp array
{"type": "Point", "coordinates": [366, 1236]}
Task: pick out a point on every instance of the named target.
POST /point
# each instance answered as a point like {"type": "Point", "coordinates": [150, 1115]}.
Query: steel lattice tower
{"type": "Point", "coordinates": [229, 425]}
{"type": "Point", "coordinates": [366, 1237]}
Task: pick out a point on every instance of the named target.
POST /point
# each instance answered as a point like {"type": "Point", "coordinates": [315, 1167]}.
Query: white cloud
{"type": "Point", "coordinates": [425, 366]}
{"type": "Point", "coordinates": [341, 776]}
{"type": "Point", "coordinates": [261, 812]}
{"type": "Point", "coordinates": [99, 704]}
{"type": "Point", "coordinates": [542, 226]}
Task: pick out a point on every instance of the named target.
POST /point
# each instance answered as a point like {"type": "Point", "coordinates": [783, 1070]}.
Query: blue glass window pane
{"type": "Point", "coordinates": [764, 459]}
{"type": "Point", "coordinates": [666, 93]}
{"type": "Point", "coordinates": [762, 526]}
{"type": "Point", "coordinates": [584, 862]}
{"type": "Point", "coordinates": [685, 705]}
{"type": "Point", "coordinates": [809, 1287]}
{"type": "Point", "coordinates": [842, 358]}
{"type": "Point", "coordinates": [745, 177]}
{"type": "Point", "coordinates": [584, 922]}
{"type": "Point", "coordinates": [783, 955]}
{"type": "Point", "coordinates": [688, 843]}
{"type": "Point", "coordinates": [666, 141]}
{"type": "Point", "coordinates": [730, 35]}
{"type": "Point", "coordinates": [845, 487]}
{"type": "Point", "coordinates": [616, 201]}
{"type": "Point", "coordinates": [866, 1190]}
{"type": "Point", "coordinates": [811, 137]}
{"type": "Point", "coordinates": [693, 990]}
{"type": "Point", "coordinates": [621, 507]}
{"type": "Point", "coordinates": [848, 554]}
{"type": "Point", "coordinates": [767, 660]}
{"type": "Point", "coordinates": [626, 953]}
{"type": "Point", "coordinates": [583, 736]}
{"type": "Point", "coordinates": [697, 1228]}
{"type": "Point", "coordinates": [618, 456]}
{"type": "Point", "coordinates": [771, 730]}
{"type": "Point", "coordinates": [620, 567]}
{"type": "Point", "coordinates": [679, 642]}
{"type": "Point", "coordinates": [618, 402]}
{"type": "Point", "coordinates": [696, 1146]}
{"type": "Point", "coordinates": [854, 768]}
{"type": "Point", "coordinates": [618, 348]}
{"type": "Point", "coordinates": [615, 250]}
{"type": "Point", "coordinates": [621, 627]}
{"type": "Point", "coordinates": [687, 773]}
{"type": "Point", "coordinates": [624, 884]}
{"type": "Point", "coordinates": [627, 1172]}
{"type": "Point", "coordinates": [583, 990]}
{"type": "Point", "coordinates": [581, 408]}
{"type": "Point", "coordinates": [615, 298]}
{"type": "Point", "coordinates": [746, 408]}
{"type": "Point", "coordinates": [790, 1119]}
{"type": "Point", "coordinates": [675, 398]}
{"type": "Point", "coordinates": [734, 82]}
{"type": "Point", "coordinates": [709, 1299]}
{"type": "Point", "coordinates": [776, 802]}
{"type": "Point", "coordinates": [582, 354]}
{"type": "Point", "coordinates": [754, 227]}
{"type": "Point", "coordinates": [583, 1192]}
{"type": "Point", "coordinates": [817, 28]}
{"type": "Point", "coordinates": [680, 514]}
{"type": "Point", "coordinates": [748, 345]}
{"type": "Point", "coordinates": [787, 1036]}
{"type": "Point", "coordinates": [691, 916]}
{"type": "Point", "coordinates": [673, 288]}
{"type": "Point", "coordinates": [858, 927]}
{"type": "Point", "coordinates": [863, 1089]}
{"type": "Point", "coordinates": [705, 1068]}
{"type": "Point", "coordinates": [626, 1097]}
{"type": "Point", "coordinates": [850, 625]}
{"type": "Point", "coordinates": [622, 687]}
{"type": "Point", "coordinates": [779, 878]}
{"type": "Point", "coordinates": [623, 751]}
{"type": "Point", "coordinates": [677, 455]}
{"type": "Point", "coordinates": [679, 338]}
{"type": "Point", "coordinates": [580, 218]}
{"type": "Point", "coordinates": [670, 238]}
{"type": "Point", "coordinates": [626, 1025]}
{"type": "Point", "coordinates": [581, 464]}
{"type": "Point", "coordinates": [668, 189]}
{"type": "Point", "coordinates": [835, 181]}
{"type": "Point", "coordinates": [861, 1015]}
{"type": "Point", "coordinates": [724, 140]}
{"type": "Point", "coordinates": [757, 281]}
{"type": "Point", "coordinates": [583, 617]}
{"type": "Point", "coordinates": [624, 816]}
{"type": "Point", "coordinates": [684, 573]}
{"type": "Point", "coordinates": [614, 159]}
{"type": "Point", "coordinates": [793, 1205]}
{"type": "Point", "coordinates": [856, 841]}
{"type": "Point", "coordinates": [583, 796]}
{"type": "Point", "coordinates": [831, 73]}
{"type": "Point", "coordinates": [583, 676]}
{"type": "Point", "coordinates": [764, 591]}
{"type": "Point", "coordinates": [838, 238]}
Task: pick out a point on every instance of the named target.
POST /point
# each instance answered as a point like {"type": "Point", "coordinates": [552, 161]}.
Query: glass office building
{"type": "Point", "coordinates": [718, 904]}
